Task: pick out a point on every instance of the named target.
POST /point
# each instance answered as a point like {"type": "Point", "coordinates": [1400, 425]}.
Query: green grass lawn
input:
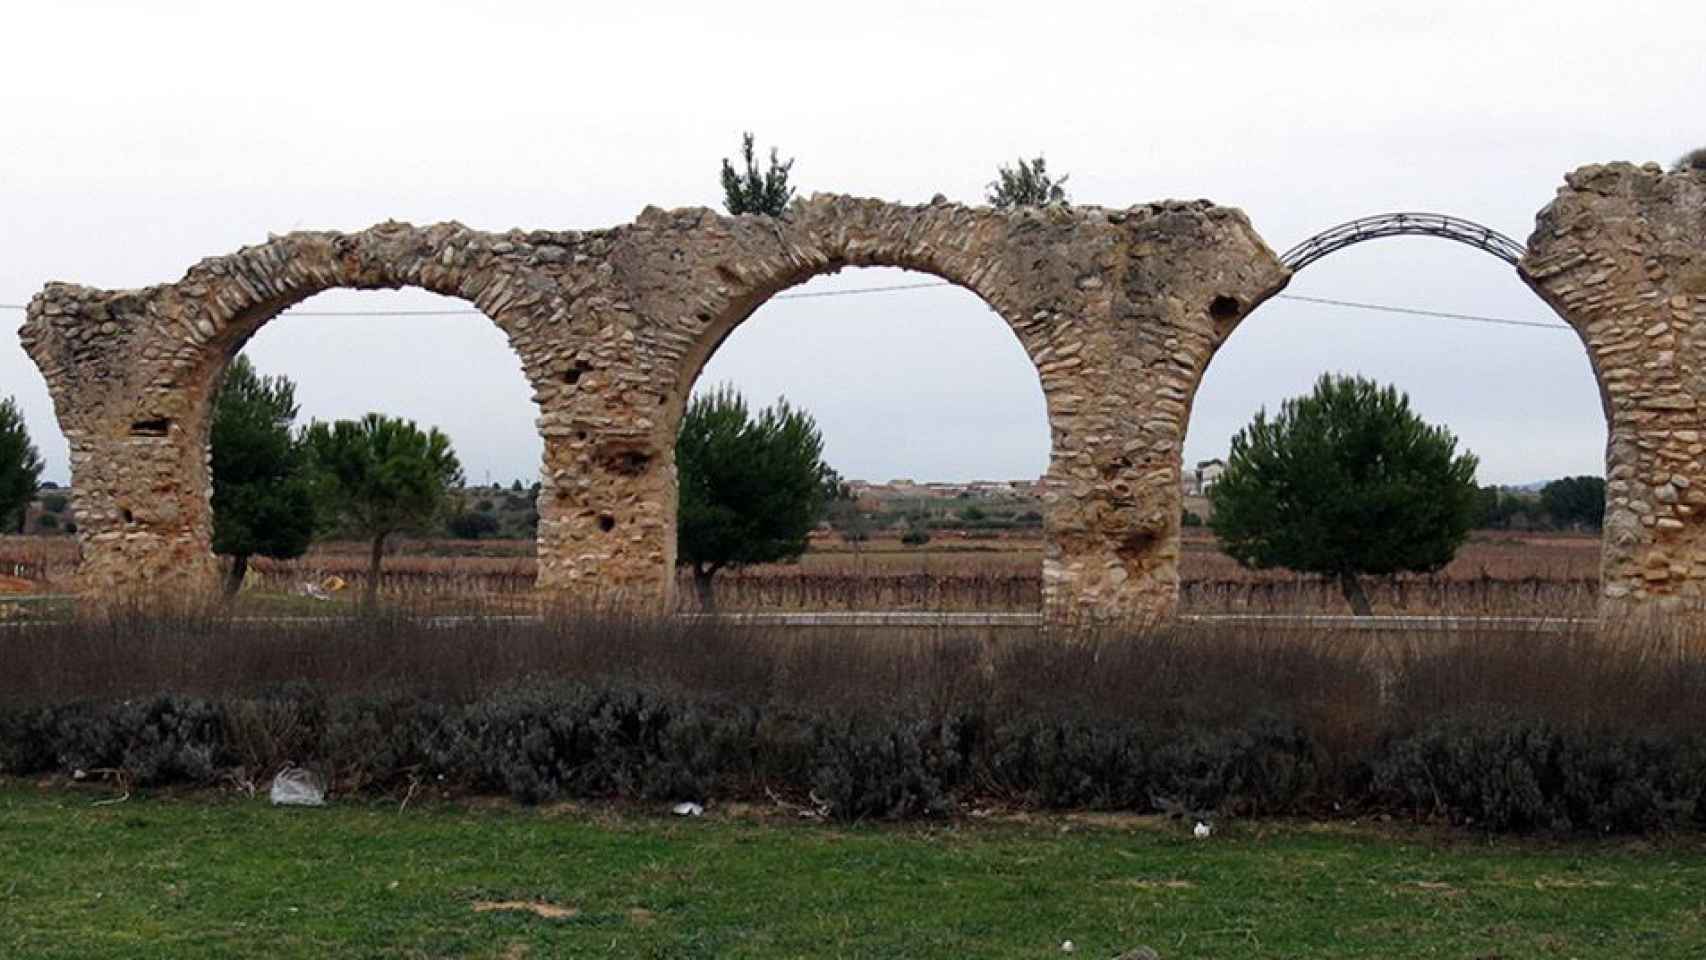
{"type": "Point", "coordinates": [206, 876]}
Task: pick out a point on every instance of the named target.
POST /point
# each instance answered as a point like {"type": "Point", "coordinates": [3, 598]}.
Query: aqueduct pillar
{"type": "Point", "coordinates": [1620, 254]}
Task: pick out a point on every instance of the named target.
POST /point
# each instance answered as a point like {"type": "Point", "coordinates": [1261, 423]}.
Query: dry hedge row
{"type": "Point", "coordinates": [1506, 732]}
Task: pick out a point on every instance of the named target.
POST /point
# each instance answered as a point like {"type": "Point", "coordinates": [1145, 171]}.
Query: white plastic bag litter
{"type": "Point", "coordinates": [296, 787]}
{"type": "Point", "coordinates": [688, 809]}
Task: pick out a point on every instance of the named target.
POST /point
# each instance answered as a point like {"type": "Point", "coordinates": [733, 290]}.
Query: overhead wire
{"type": "Point", "coordinates": [891, 288]}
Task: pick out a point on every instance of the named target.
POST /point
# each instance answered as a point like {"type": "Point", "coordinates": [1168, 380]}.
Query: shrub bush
{"type": "Point", "coordinates": [163, 739]}
{"type": "Point", "coordinates": [1514, 773]}
{"type": "Point", "coordinates": [472, 526]}
{"type": "Point", "coordinates": [888, 766]}
{"type": "Point", "coordinates": [1554, 734]}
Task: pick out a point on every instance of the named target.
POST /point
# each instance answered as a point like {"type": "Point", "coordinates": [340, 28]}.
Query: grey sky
{"type": "Point", "coordinates": [141, 138]}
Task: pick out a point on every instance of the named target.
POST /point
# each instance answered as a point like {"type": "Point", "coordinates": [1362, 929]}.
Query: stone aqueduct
{"type": "Point", "coordinates": [1119, 310]}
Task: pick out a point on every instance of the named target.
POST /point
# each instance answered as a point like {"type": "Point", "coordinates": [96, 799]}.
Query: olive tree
{"type": "Point", "coordinates": [1344, 482]}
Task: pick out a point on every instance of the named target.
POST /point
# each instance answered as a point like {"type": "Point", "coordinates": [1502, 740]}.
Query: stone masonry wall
{"type": "Point", "coordinates": [1119, 311]}
{"type": "Point", "coordinates": [1621, 255]}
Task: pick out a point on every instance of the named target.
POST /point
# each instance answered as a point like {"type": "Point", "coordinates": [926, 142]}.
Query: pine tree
{"type": "Point", "coordinates": [1028, 186]}
{"type": "Point", "coordinates": [752, 488]}
{"type": "Point", "coordinates": [765, 193]}
{"type": "Point", "coordinates": [382, 475]}
{"type": "Point", "coordinates": [1346, 481]}
{"type": "Point", "coordinates": [20, 467]}
{"type": "Point", "coordinates": [263, 495]}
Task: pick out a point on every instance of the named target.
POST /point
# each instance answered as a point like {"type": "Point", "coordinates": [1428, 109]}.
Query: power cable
{"type": "Point", "coordinates": [1385, 308]}
{"type": "Point", "coordinates": [1323, 301]}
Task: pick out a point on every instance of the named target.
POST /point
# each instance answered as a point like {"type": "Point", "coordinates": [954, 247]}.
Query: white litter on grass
{"type": "Point", "coordinates": [1201, 830]}
{"type": "Point", "coordinates": [296, 787]}
{"type": "Point", "coordinates": [687, 810]}
{"type": "Point", "coordinates": [1067, 946]}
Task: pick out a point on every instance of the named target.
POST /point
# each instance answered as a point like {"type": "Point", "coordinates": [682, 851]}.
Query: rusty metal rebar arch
{"type": "Point", "coordinates": [1405, 224]}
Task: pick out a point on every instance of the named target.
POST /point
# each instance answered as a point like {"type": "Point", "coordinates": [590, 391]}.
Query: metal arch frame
{"type": "Point", "coordinates": [1403, 225]}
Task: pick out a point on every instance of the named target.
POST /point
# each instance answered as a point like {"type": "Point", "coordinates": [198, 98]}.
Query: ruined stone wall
{"type": "Point", "coordinates": [1621, 255]}
{"type": "Point", "coordinates": [1118, 309]}
{"type": "Point", "coordinates": [133, 374]}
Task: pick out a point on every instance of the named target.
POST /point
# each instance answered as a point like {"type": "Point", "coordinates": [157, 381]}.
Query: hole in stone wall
{"type": "Point", "coordinates": [158, 427]}
{"type": "Point", "coordinates": [128, 516]}
{"type": "Point", "coordinates": [606, 522]}
{"type": "Point", "coordinates": [572, 375]}
{"type": "Point", "coordinates": [628, 463]}
{"type": "Point", "coordinates": [1224, 308]}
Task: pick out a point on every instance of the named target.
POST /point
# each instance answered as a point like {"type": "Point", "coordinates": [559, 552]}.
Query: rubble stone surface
{"type": "Point", "coordinates": [1120, 311]}
{"type": "Point", "coordinates": [1620, 254]}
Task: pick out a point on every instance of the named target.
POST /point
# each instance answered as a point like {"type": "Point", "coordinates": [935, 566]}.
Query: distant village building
{"type": "Point", "coordinates": [907, 488]}
{"type": "Point", "coordinates": [1197, 482]}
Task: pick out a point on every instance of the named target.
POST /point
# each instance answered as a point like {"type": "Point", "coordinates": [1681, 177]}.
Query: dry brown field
{"type": "Point", "coordinates": [1495, 573]}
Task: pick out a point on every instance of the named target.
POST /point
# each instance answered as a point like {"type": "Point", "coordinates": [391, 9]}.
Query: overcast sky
{"type": "Point", "coordinates": [142, 137]}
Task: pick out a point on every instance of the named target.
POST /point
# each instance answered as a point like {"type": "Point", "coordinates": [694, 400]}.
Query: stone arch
{"type": "Point", "coordinates": [1118, 310]}
{"type": "Point", "coordinates": [1105, 303]}
{"type": "Point", "coordinates": [758, 291]}
{"type": "Point", "coordinates": [1030, 339]}
{"type": "Point", "coordinates": [1620, 257]}
{"type": "Point", "coordinates": [134, 373]}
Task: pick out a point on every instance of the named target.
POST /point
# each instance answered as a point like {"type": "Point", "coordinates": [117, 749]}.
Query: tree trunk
{"type": "Point", "coordinates": [370, 596]}
{"type": "Point", "coordinates": [702, 577]}
{"type": "Point", "coordinates": [239, 570]}
{"type": "Point", "coordinates": [1352, 587]}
